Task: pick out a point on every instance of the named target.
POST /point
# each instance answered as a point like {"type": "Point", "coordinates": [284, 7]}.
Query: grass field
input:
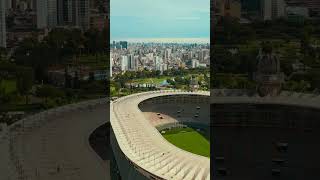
{"type": "Point", "coordinates": [99, 62]}
{"type": "Point", "coordinates": [150, 80]}
{"type": "Point", "coordinates": [9, 86]}
{"type": "Point", "coordinates": [188, 139]}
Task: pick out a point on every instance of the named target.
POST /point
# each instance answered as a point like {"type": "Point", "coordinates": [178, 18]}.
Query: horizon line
{"type": "Point", "coordinates": [163, 40]}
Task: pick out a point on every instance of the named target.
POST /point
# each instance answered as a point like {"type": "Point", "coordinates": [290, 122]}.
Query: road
{"type": "Point", "coordinates": [60, 149]}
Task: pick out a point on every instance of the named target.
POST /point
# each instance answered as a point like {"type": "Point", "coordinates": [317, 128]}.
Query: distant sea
{"type": "Point", "coordinates": [164, 40]}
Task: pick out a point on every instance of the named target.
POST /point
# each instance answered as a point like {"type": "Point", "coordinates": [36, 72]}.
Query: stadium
{"type": "Point", "coordinates": [272, 137]}
{"type": "Point", "coordinates": [54, 144]}
{"type": "Point", "coordinates": [138, 123]}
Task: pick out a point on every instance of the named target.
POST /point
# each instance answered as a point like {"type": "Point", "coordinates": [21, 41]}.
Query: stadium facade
{"type": "Point", "coordinates": [272, 137]}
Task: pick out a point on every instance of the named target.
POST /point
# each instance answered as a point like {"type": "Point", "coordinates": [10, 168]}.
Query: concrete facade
{"type": "Point", "coordinates": [265, 138]}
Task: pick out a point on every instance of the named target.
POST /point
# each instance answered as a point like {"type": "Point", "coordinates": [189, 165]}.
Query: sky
{"type": "Point", "coordinates": [160, 19]}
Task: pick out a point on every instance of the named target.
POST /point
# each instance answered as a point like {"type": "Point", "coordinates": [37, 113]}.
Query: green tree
{"type": "Point", "coordinates": [24, 82]}
{"type": "Point", "coordinates": [48, 91]}
{"type": "Point", "coordinates": [3, 53]}
{"type": "Point", "coordinates": [95, 42]}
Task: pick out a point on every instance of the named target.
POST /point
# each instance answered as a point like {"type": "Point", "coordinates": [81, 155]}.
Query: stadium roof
{"type": "Point", "coordinates": [144, 146]}
{"type": "Point", "coordinates": [225, 96]}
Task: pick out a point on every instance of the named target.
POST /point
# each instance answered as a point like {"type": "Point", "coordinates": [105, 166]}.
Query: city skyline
{"type": "Point", "coordinates": [165, 40]}
{"type": "Point", "coordinates": [145, 19]}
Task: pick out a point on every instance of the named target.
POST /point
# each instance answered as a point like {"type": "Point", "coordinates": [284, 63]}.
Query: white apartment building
{"type": "Point", "coordinates": [273, 9]}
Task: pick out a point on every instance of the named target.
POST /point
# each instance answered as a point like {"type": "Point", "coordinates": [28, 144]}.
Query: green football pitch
{"type": "Point", "coordinates": [188, 139]}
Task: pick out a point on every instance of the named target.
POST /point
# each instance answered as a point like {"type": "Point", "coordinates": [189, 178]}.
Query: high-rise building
{"type": "Point", "coordinates": [194, 63]}
{"type": "Point", "coordinates": [203, 54]}
{"type": "Point", "coordinates": [82, 18]}
{"type": "Point", "coordinates": [3, 40]}
{"type": "Point", "coordinates": [52, 13]}
{"type": "Point", "coordinates": [111, 64]}
{"type": "Point", "coordinates": [167, 54]}
{"type": "Point", "coordinates": [13, 3]}
{"type": "Point", "coordinates": [42, 14]}
{"type": "Point", "coordinates": [131, 62]}
{"type": "Point", "coordinates": [190, 55]}
{"type": "Point", "coordinates": [124, 63]}
{"type": "Point", "coordinates": [158, 63]}
{"type": "Point", "coordinates": [33, 4]}
{"type": "Point", "coordinates": [60, 11]}
{"type": "Point", "coordinates": [273, 9]}
{"type": "Point", "coordinates": [8, 4]}
{"type": "Point", "coordinates": [124, 44]}
{"type": "Point", "coordinates": [312, 5]}
{"type": "Point", "coordinates": [73, 13]}
{"type": "Point", "coordinates": [68, 12]}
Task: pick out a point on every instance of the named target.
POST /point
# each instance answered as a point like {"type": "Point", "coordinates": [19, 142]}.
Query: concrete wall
{"type": "Point", "coordinates": [127, 169]}
{"type": "Point", "coordinates": [265, 115]}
